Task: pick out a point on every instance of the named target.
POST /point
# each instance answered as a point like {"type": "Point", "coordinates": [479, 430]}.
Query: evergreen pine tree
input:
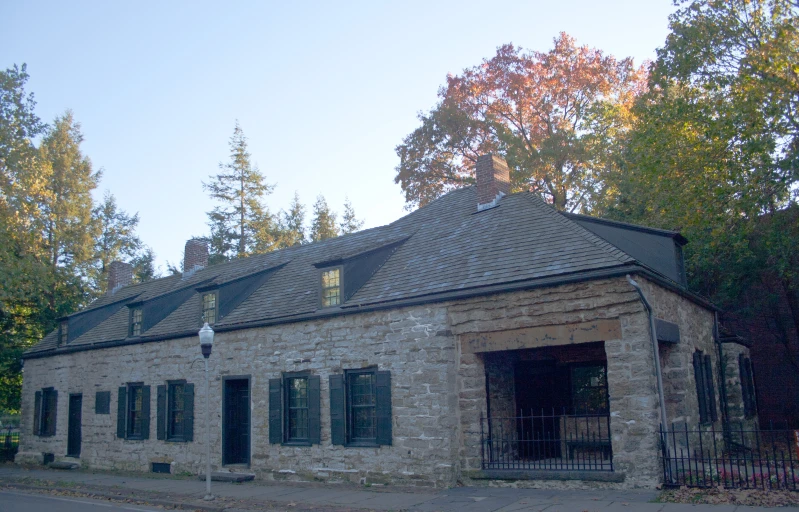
{"type": "Point", "coordinates": [349, 222]}
{"type": "Point", "coordinates": [291, 228]}
{"type": "Point", "coordinates": [240, 225]}
{"type": "Point", "coordinates": [323, 225]}
{"type": "Point", "coordinates": [117, 239]}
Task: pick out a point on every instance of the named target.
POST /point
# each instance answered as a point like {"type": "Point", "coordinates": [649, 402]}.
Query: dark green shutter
{"type": "Point", "coordinates": [314, 410]}
{"type": "Point", "coordinates": [122, 405]}
{"type": "Point", "coordinates": [750, 378]}
{"type": "Point", "coordinates": [338, 434]}
{"type": "Point", "coordinates": [275, 411]}
{"type": "Point", "coordinates": [54, 413]}
{"type": "Point", "coordinates": [711, 389]}
{"type": "Point", "coordinates": [37, 410]}
{"type": "Point", "coordinates": [160, 413]}
{"type": "Point", "coordinates": [383, 409]}
{"type": "Point", "coordinates": [188, 412]}
{"type": "Point", "coordinates": [699, 376]}
{"type": "Point", "coordinates": [145, 412]}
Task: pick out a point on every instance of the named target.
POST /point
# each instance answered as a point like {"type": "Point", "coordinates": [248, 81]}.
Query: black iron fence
{"type": "Point", "coordinates": [9, 444]}
{"type": "Point", "coordinates": [547, 440]}
{"type": "Point", "coordinates": [738, 458]}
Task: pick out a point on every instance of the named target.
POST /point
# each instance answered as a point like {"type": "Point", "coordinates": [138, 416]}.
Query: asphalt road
{"type": "Point", "coordinates": [21, 502]}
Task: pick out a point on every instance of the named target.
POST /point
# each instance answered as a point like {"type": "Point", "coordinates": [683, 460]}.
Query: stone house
{"type": "Point", "coordinates": [483, 337]}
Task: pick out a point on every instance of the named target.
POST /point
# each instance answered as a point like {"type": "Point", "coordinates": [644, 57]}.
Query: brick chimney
{"type": "Point", "coordinates": [195, 256]}
{"type": "Point", "coordinates": [120, 274]}
{"type": "Point", "coordinates": [493, 180]}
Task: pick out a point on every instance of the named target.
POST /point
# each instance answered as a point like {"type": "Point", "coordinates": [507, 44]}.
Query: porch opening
{"type": "Point", "coordinates": [547, 408]}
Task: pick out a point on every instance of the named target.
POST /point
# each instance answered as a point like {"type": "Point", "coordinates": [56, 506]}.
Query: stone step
{"type": "Point", "coordinates": [219, 476]}
{"type": "Point", "coordinates": [63, 464]}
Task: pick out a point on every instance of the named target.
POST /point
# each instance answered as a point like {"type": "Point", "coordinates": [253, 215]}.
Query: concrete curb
{"type": "Point", "coordinates": [116, 497]}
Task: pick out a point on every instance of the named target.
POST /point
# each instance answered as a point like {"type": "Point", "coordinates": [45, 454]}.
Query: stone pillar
{"type": "Point", "coordinates": [634, 408]}
{"type": "Point", "coordinates": [472, 403]}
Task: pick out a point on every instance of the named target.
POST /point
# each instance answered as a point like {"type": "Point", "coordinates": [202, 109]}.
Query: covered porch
{"type": "Point", "coordinates": [547, 408]}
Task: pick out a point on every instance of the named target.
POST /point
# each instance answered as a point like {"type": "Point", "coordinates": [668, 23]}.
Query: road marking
{"type": "Point", "coordinates": [96, 503]}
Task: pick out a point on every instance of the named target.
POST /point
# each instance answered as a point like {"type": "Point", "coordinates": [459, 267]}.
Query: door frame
{"type": "Point", "coordinates": [80, 424]}
{"type": "Point", "coordinates": [224, 417]}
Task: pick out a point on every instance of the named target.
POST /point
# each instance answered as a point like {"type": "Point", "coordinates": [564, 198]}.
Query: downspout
{"type": "Point", "coordinates": [656, 352]}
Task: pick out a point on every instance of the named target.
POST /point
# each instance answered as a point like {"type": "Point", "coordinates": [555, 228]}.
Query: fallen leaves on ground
{"type": "Point", "coordinates": [722, 496]}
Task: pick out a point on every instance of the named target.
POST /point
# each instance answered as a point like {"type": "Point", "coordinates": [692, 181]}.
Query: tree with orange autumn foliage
{"type": "Point", "coordinates": [554, 116]}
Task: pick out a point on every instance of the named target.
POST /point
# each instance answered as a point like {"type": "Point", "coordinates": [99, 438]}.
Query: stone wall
{"type": "Point", "coordinates": [732, 376]}
{"type": "Point", "coordinates": [696, 333]}
{"type": "Point", "coordinates": [438, 387]}
{"type": "Point", "coordinates": [413, 343]}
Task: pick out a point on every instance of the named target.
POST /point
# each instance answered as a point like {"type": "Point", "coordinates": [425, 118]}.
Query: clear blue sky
{"type": "Point", "coordinates": [324, 91]}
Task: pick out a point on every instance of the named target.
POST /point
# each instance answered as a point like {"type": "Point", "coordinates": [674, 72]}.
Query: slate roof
{"type": "Point", "coordinates": [444, 247]}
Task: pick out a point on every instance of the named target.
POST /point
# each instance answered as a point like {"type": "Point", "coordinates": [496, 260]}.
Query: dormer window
{"type": "Point", "coordinates": [135, 322]}
{"type": "Point", "coordinates": [331, 287]}
{"type": "Point", "coordinates": [64, 332]}
{"type": "Point", "coordinates": [209, 307]}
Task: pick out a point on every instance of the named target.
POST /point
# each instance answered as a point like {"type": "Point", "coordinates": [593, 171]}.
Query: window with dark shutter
{"type": "Point", "coordinates": [133, 413]}
{"type": "Point", "coordinates": [176, 410]}
{"type": "Point", "coordinates": [360, 408]}
{"type": "Point", "coordinates": [294, 409]}
{"type": "Point", "coordinates": [705, 388]}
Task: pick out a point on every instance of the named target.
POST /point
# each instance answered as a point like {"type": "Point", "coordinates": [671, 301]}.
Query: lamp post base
{"type": "Point", "coordinates": [209, 497]}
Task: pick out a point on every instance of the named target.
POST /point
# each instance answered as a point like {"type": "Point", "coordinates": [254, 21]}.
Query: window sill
{"type": "Point", "coordinates": [362, 444]}
{"type": "Point", "coordinates": [296, 443]}
{"type": "Point", "coordinates": [176, 440]}
{"type": "Point", "coordinates": [134, 438]}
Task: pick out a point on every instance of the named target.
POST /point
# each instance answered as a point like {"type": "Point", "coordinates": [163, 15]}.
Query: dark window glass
{"type": "Point", "coordinates": [176, 410]}
{"type": "Point", "coordinates": [209, 307]}
{"type": "Point", "coordinates": [331, 288]}
{"type": "Point", "coordinates": [361, 405]}
{"type": "Point", "coordinates": [135, 401]}
{"type": "Point", "coordinates": [297, 409]}
{"type": "Point", "coordinates": [135, 322]}
{"type": "Point", "coordinates": [589, 389]}
{"type": "Point", "coordinates": [47, 425]}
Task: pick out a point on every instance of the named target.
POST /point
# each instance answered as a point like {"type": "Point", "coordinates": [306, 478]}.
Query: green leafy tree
{"type": "Point", "coordinates": [291, 227]}
{"type": "Point", "coordinates": [323, 225]}
{"type": "Point", "coordinates": [555, 116]}
{"type": "Point", "coordinates": [116, 240]}
{"type": "Point", "coordinates": [240, 225]}
{"type": "Point", "coordinates": [349, 222]}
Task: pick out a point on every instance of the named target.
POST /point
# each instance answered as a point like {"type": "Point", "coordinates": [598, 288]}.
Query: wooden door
{"type": "Point", "coordinates": [236, 426]}
{"type": "Point", "coordinates": [74, 429]}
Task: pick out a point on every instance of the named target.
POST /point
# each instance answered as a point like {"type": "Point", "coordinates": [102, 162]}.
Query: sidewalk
{"type": "Point", "coordinates": [258, 495]}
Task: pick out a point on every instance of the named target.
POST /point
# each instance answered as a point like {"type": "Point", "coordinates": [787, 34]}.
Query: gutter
{"type": "Point", "coordinates": [529, 284]}
{"type": "Point", "coordinates": [656, 352]}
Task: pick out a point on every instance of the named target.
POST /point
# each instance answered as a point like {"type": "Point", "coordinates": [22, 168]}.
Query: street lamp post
{"type": "Point", "coordinates": [206, 343]}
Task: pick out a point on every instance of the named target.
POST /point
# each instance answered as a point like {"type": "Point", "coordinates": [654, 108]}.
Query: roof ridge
{"type": "Point", "coordinates": [599, 242]}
